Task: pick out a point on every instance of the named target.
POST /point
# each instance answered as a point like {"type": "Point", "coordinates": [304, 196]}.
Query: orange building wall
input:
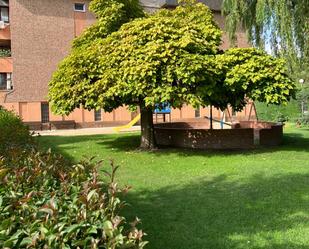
{"type": "Point", "coordinates": [11, 107]}
{"type": "Point", "coordinates": [77, 115]}
{"type": "Point", "coordinates": [6, 65]}
{"type": "Point", "coordinates": [109, 116]}
{"type": "Point", "coordinates": [79, 22]}
{"type": "Point", "coordinates": [122, 114]}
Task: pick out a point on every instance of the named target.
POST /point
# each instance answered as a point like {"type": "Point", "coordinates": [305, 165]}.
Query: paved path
{"type": "Point", "coordinates": [96, 131]}
{"type": "Point", "coordinates": [85, 131]}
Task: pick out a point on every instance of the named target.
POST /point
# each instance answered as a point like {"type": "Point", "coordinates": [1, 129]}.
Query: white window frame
{"type": "Point", "coordinates": [84, 7]}
{"type": "Point", "coordinates": [9, 85]}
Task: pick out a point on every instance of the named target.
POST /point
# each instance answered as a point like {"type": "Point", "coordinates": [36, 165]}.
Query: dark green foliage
{"type": "Point", "coordinates": [14, 135]}
{"type": "Point", "coordinates": [304, 119]}
{"type": "Point", "coordinates": [292, 111]}
{"type": "Point", "coordinates": [45, 202]}
{"type": "Point", "coordinates": [289, 112]}
{"type": "Point", "coordinates": [5, 52]}
{"type": "Point", "coordinates": [303, 102]}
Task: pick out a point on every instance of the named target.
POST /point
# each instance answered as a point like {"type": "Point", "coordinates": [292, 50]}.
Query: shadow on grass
{"type": "Point", "coordinates": [215, 213]}
{"type": "Point", "coordinates": [130, 142]}
{"type": "Point", "coordinates": [258, 213]}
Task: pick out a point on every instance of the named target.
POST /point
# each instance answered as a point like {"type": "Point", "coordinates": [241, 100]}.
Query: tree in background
{"type": "Point", "coordinates": [281, 27]}
{"type": "Point", "coordinates": [171, 56]}
{"type": "Point", "coordinates": [283, 24]}
{"type": "Point", "coordinates": [303, 96]}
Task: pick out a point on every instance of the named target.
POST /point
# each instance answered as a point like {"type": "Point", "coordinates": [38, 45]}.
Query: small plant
{"type": "Point", "coordinates": [47, 203]}
{"type": "Point", "coordinates": [5, 52]}
{"type": "Point", "coordinates": [281, 118]}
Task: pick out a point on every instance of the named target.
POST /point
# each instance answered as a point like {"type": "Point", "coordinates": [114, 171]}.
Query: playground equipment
{"type": "Point", "coordinates": [129, 125]}
{"type": "Point", "coordinates": [163, 109]}
{"type": "Point", "coordinates": [221, 121]}
{"type": "Point", "coordinates": [226, 115]}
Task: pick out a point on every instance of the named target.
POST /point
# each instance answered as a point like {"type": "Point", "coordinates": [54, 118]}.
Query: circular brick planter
{"type": "Point", "coordinates": [242, 135]}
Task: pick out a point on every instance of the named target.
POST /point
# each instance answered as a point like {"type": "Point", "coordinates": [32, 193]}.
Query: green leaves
{"type": "Point", "coordinates": [14, 137]}
{"type": "Point", "coordinates": [253, 74]}
{"type": "Point", "coordinates": [170, 56]}
{"type": "Point", "coordinates": [45, 202]}
{"type": "Point", "coordinates": [149, 60]}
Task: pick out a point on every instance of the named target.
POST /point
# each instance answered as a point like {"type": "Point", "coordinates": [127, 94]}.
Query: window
{"type": "Point", "coordinates": [44, 112]}
{"type": "Point", "coordinates": [79, 7]}
{"type": "Point", "coordinates": [234, 113]}
{"type": "Point", "coordinates": [4, 3]}
{"type": "Point", "coordinates": [4, 11]}
{"type": "Point", "coordinates": [6, 81]}
{"type": "Point", "coordinates": [3, 79]}
{"type": "Point", "coordinates": [9, 85]}
{"type": "Point", "coordinates": [97, 115]}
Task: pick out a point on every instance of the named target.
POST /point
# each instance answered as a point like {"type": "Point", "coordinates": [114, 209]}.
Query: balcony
{"type": "Point", "coordinates": [6, 65]}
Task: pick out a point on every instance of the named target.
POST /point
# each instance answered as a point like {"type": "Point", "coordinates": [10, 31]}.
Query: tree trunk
{"type": "Point", "coordinates": [147, 129]}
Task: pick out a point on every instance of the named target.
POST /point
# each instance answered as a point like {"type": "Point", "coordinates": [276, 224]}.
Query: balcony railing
{"type": "Point", "coordinates": [6, 65]}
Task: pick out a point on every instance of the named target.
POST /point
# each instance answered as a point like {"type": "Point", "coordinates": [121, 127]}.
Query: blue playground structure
{"type": "Point", "coordinates": [163, 109]}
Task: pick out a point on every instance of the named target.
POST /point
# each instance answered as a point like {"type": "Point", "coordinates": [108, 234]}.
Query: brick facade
{"type": "Point", "coordinates": [267, 133]}
{"type": "Point", "coordinates": [201, 138]}
{"type": "Point", "coordinates": [41, 36]}
{"type": "Point", "coordinates": [197, 135]}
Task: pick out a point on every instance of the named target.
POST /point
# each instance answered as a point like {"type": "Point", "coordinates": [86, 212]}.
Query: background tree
{"type": "Point", "coordinates": [171, 56]}
{"type": "Point", "coordinates": [282, 25]}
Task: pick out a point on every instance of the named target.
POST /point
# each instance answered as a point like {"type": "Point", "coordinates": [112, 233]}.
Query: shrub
{"type": "Point", "coordinates": [14, 135]}
{"type": "Point", "coordinates": [290, 112]}
{"type": "Point", "coordinates": [47, 203]}
{"type": "Point", "coordinates": [304, 120]}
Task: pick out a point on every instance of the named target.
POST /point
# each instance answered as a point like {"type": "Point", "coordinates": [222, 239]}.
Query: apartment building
{"type": "Point", "coordinates": [35, 35]}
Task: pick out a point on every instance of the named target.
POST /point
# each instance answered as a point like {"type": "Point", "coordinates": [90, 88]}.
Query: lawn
{"type": "Point", "coordinates": [210, 200]}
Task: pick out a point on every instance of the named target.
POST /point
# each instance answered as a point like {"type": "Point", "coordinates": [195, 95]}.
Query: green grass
{"type": "Point", "coordinates": [210, 200]}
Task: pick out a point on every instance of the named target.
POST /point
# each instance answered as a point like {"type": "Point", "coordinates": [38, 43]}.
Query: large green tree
{"type": "Point", "coordinates": [171, 56]}
{"type": "Point", "coordinates": [281, 25]}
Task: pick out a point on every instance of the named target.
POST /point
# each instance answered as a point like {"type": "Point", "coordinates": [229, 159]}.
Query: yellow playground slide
{"type": "Point", "coordinates": [129, 125]}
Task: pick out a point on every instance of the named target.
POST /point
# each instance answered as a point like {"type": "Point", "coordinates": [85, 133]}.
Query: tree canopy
{"type": "Point", "coordinates": [171, 56]}
{"type": "Point", "coordinates": [283, 25]}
